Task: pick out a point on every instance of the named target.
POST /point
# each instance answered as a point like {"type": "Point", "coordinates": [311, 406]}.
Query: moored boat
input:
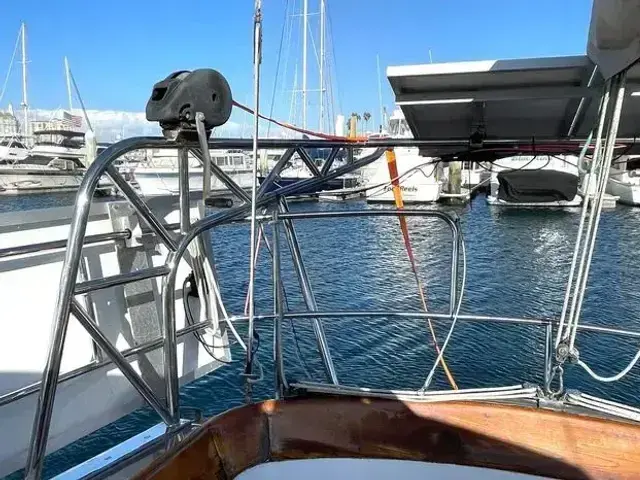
{"type": "Point", "coordinates": [535, 181]}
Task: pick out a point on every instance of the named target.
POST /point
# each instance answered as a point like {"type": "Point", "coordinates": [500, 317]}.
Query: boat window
{"type": "Point", "coordinates": [398, 127]}
{"type": "Point", "coordinates": [238, 161]}
{"type": "Point", "coordinates": [404, 128]}
{"type": "Point", "coordinates": [394, 127]}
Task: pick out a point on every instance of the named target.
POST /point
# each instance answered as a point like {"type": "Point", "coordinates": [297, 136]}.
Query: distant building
{"type": "Point", "coordinates": [9, 125]}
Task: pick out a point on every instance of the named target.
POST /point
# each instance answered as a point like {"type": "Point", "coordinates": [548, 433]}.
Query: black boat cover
{"type": "Point", "coordinates": [531, 186]}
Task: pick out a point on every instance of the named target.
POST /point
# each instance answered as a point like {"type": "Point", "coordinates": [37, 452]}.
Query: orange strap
{"type": "Point", "coordinates": [397, 195]}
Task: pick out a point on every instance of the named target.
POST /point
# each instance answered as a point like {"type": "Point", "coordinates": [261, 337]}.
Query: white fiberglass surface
{"type": "Point", "coordinates": [373, 469]}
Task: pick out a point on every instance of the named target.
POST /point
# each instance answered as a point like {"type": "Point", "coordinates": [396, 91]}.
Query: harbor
{"type": "Point", "coordinates": [437, 285]}
{"type": "Point", "coordinates": [523, 254]}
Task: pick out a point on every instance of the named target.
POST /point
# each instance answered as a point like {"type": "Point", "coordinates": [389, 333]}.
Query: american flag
{"type": "Point", "coordinates": [71, 121]}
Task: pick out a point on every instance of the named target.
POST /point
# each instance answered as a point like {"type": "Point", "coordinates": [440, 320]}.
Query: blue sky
{"type": "Point", "coordinates": [118, 49]}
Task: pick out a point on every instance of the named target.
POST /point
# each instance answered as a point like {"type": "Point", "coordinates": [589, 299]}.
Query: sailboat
{"type": "Point", "coordinates": [298, 167]}
{"type": "Point", "coordinates": [45, 156]}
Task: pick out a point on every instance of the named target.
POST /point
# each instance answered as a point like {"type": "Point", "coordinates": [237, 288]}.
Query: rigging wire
{"type": "Point", "coordinates": [275, 81]}
{"type": "Point", "coordinates": [257, 58]}
{"type": "Point", "coordinates": [606, 166]}
{"type": "Point", "coordinates": [298, 129]}
{"type": "Point", "coordinates": [583, 216]}
{"type": "Point", "coordinates": [600, 164]}
{"type": "Point", "coordinates": [334, 68]}
{"type": "Point", "coordinates": [13, 58]}
{"type": "Point", "coordinates": [301, 361]}
{"type": "Point", "coordinates": [289, 26]}
{"type": "Point", "coordinates": [262, 237]}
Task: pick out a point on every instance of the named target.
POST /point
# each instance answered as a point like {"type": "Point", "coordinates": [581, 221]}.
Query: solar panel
{"type": "Point", "coordinates": [508, 99]}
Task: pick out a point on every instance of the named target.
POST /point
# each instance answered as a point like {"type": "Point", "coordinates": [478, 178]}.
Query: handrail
{"type": "Point", "coordinates": [285, 216]}
{"type": "Point", "coordinates": [121, 279]}
{"type": "Point", "coordinates": [58, 244]}
{"type": "Point", "coordinates": [73, 253]}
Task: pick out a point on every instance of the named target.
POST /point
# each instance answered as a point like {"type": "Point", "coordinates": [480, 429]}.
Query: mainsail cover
{"type": "Point", "coordinates": [614, 35]}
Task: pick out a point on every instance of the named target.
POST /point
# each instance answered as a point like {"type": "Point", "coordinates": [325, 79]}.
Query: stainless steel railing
{"type": "Point", "coordinates": [68, 288]}
{"type": "Point", "coordinates": [177, 246]}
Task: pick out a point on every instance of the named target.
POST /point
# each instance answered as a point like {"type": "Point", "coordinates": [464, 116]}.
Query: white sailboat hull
{"type": "Point", "coordinates": [164, 181]}
{"type": "Point", "coordinates": [413, 193]}
{"type": "Point", "coordinates": [128, 316]}
{"type": "Point", "coordinates": [418, 179]}
{"type": "Point", "coordinates": [628, 192]}
{"type": "Point", "coordinates": [15, 181]}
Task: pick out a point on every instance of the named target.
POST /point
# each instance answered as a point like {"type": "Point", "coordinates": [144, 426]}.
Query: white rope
{"type": "Point", "coordinates": [227, 319]}
{"type": "Point", "coordinates": [455, 317]}
{"type": "Point", "coordinates": [613, 378]}
{"type": "Point", "coordinates": [583, 215]}
{"type": "Point", "coordinates": [597, 165]}
{"type": "Point", "coordinates": [490, 393]}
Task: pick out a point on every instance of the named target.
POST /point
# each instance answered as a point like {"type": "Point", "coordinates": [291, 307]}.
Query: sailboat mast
{"type": "Point", "coordinates": [322, 55]}
{"type": "Point", "coordinates": [68, 77]}
{"type": "Point", "coordinates": [382, 123]}
{"type": "Point", "coordinates": [305, 28]}
{"type": "Point", "coordinates": [25, 104]}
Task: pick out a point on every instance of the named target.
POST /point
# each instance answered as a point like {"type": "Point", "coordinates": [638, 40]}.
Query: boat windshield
{"type": "Point", "coordinates": [398, 127]}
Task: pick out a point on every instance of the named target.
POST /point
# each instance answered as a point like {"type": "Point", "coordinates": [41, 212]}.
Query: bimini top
{"type": "Point", "coordinates": [508, 99]}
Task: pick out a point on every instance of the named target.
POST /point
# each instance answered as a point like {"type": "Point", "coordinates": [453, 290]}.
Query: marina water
{"type": "Point", "coordinates": [517, 265]}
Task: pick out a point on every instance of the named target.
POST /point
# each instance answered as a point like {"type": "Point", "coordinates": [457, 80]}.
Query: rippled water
{"type": "Point", "coordinates": [517, 265]}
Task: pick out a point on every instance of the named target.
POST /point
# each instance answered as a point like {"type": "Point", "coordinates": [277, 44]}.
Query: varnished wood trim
{"type": "Point", "coordinates": [507, 437]}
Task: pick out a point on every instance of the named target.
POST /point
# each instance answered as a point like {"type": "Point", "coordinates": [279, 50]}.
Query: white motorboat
{"type": "Point", "coordinates": [40, 174]}
{"type": "Point", "coordinates": [624, 181]}
{"type": "Point", "coordinates": [159, 174]}
{"type": "Point", "coordinates": [12, 149]}
{"type": "Point", "coordinates": [535, 181]}
{"type": "Point", "coordinates": [55, 164]}
{"type": "Point", "coordinates": [420, 178]}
